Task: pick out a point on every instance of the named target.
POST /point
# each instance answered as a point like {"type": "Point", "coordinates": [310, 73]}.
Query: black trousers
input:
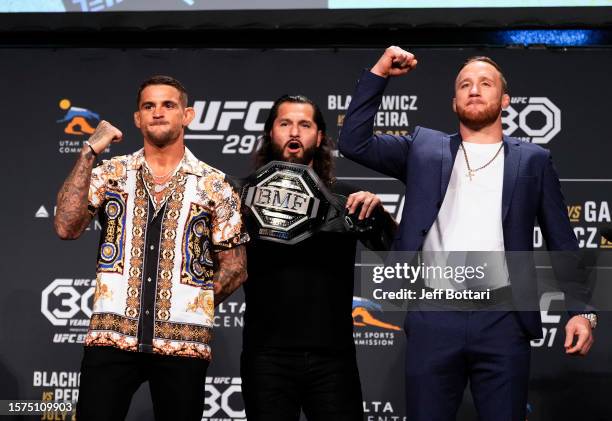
{"type": "Point", "coordinates": [278, 384]}
{"type": "Point", "coordinates": [110, 376]}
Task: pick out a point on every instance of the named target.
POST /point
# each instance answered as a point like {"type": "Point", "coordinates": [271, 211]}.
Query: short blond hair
{"type": "Point", "coordinates": [490, 61]}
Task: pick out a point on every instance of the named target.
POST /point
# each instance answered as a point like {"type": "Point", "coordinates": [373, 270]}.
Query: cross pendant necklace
{"type": "Point", "coordinates": [472, 171]}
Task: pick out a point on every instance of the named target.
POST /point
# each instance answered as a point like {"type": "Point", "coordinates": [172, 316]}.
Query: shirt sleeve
{"type": "Point", "coordinates": [97, 187]}
{"type": "Point", "coordinates": [228, 229]}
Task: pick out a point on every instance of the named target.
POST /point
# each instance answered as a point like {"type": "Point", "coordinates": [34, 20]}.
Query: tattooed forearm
{"type": "Point", "coordinates": [72, 217]}
{"type": "Point", "coordinates": [231, 273]}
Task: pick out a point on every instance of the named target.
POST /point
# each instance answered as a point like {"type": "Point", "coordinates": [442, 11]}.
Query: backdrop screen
{"type": "Point", "coordinates": [178, 5]}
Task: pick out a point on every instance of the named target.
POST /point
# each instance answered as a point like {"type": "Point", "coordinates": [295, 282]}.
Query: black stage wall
{"type": "Point", "coordinates": [51, 99]}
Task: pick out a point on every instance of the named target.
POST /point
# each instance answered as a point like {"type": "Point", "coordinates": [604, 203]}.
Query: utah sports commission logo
{"type": "Point", "coordinates": [532, 119]}
{"type": "Point", "coordinates": [369, 327]}
{"type": "Point", "coordinates": [77, 125]}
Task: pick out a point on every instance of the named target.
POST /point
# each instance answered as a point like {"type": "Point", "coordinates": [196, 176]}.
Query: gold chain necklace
{"type": "Point", "coordinates": [472, 172]}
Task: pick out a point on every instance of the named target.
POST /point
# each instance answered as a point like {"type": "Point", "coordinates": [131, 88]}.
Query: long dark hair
{"type": "Point", "coordinates": [322, 162]}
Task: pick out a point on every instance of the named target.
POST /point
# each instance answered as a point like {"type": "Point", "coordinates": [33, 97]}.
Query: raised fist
{"type": "Point", "coordinates": [394, 62]}
{"type": "Point", "coordinates": [104, 135]}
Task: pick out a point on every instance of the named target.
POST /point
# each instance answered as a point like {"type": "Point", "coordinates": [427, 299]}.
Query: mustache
{"type": "Point", "coordinates": [293, 141]}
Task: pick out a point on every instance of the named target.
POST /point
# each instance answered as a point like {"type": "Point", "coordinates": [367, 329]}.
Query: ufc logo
{"type": "Point", "coordinates": [393, 203]}
{"type": "Point", "coordinates": [223, 399]}
{"type": "Point", "coordinates": [219, 115]}
{"type": "Point", "coordinates": [534, 105]}
{"type": "Point", "coordinates": [64, 298]}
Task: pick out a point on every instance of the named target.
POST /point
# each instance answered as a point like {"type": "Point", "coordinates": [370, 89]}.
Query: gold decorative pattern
{"type": "Point", "coordinates": [182, 332]}
{"type": "Point", "coordinates": [139, 224]}
{"type": "Point", "coordinates": [210, 213]}
{"type": "Point", "coordinates": [227, 228]}
{"type": "Point", "coordinates": [197, 266]}
{"type": "Point", "coordinates": [203, 303]}
{"type": "Point", "coordinates": [166, 249]}
{"type": "Point", "coordinates": [102, 291]}
{"type": "Point", "coordinates": [97, 338]}
{"type": "Point", "coordinates": [112, 250]}
{"type": "Point", "coordinates": [182, 349]}
{"type": "Point", "coordinates": [114, 322]}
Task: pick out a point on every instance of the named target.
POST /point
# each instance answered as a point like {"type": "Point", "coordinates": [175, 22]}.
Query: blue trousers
{"type": "Point", "coordinates": [446, 349]}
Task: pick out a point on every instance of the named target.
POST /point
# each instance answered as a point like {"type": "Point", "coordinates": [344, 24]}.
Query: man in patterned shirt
{"type": "Point", "coordinates": [171, 248]}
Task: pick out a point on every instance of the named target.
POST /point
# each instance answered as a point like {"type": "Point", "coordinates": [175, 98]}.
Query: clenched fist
{"type": "Point", "coordinates": [394, 62]}
{"type": "Point", "coordinates": [104, 135]}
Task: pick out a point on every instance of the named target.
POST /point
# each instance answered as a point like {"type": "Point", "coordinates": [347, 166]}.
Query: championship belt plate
{"type": "Point", "coordinates": [289, 203]}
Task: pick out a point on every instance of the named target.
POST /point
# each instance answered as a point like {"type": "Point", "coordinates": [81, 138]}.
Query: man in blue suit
{"type": "Point", "coordinates": [475, 190]}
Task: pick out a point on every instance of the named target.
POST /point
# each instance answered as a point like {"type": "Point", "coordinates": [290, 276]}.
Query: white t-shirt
{"type": "Point", "coordinates": [470, 218]}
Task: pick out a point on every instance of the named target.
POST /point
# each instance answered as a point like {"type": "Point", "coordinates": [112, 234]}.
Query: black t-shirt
{"type": "Point", "coordinates": [300, 296]}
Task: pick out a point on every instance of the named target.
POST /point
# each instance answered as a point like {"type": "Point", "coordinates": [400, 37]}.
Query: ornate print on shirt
{"type": "Point", "coordinates": [112, 250]}
{"type": "Point", "coordinates": [199, 216]}
{"type": "Point", "coordinates": [198, 266]}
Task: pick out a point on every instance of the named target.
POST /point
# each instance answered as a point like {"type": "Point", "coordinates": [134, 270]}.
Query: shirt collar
{"type": "Point", "coordinates": [189, 164]}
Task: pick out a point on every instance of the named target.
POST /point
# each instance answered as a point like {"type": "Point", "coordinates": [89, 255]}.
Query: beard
{"type": "Point", "coordinates": [305, 159]}
{"type": "Point", "coordinates": [478, 119]}
{"type": "Point", "coordinates": [162, 138]}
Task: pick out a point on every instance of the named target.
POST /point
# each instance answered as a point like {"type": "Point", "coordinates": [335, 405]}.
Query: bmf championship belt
{"type": "Point", "coordinates": [289, 203]}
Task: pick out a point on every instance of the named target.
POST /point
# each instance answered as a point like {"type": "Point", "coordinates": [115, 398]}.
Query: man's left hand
{"type": "Point", "coordinates": [368, 201]}
{"type": "Point", "coordinates": [581, 327]}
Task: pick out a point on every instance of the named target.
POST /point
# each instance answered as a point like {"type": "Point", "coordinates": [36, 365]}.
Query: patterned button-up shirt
{"type": "Point", "coordinates": [154, 288]}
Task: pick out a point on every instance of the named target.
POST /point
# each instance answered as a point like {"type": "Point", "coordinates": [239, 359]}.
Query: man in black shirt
{"type": "Point", "coordinates": [298, 349]}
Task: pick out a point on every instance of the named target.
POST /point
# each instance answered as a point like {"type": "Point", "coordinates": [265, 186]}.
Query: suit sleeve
{"type": "Point", "coordinates": [552, 213]}
{"type": "Point", "coordinates": [386, 154]}
{"type": "Point", "coordinates": [568, 261]}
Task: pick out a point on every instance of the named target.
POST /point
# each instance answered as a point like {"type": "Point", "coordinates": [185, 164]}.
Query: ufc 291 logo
{"type": "Point", "coordinates": [536, 119]}
{"type": "Point", "coordinates": [550, 321]}
{"type": "Point", "coordinates": [64, 299]}
{"type": "Point", "coordinates": [216, 120]}
{"type": "Point", "coordinates": [223, 399]}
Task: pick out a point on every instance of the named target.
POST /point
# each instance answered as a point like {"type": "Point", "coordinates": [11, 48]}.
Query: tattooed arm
{"type": "Point", "coordinates": [72, 216]}
{"type": "Point", "coordinates": [231, 273]}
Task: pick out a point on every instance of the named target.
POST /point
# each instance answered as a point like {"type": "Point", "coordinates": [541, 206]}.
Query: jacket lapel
{"type": "Point", "coordinates": [450, 146]}
{"type": "Point", "coordinates": [512, 159]}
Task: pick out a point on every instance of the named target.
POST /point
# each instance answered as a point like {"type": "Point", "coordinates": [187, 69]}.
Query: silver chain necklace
{"type": "Point", "coordinates": [472, 172]}
{"type": "Point", "coordinates": [161, 177]}
{"type": "Point", "coordinates": [158, 186]}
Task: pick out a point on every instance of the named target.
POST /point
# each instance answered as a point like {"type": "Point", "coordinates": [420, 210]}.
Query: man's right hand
{"type": "Point", "coordinates": [394, 62]}
{"type": "Point", "coordinates": [104, 135]}
{"type": "Point", "coordinates": [71, 215]}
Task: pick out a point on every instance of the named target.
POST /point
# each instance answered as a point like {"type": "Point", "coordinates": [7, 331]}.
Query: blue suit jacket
{"type": "Point", "coordinates": [424, 161]}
